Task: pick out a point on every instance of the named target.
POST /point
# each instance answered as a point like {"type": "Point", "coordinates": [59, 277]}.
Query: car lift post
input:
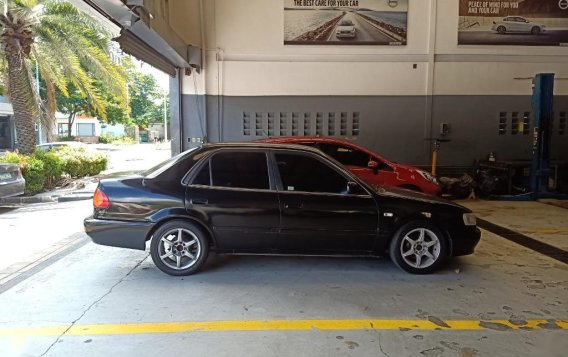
{"type": "Point", "coordinates": [542, 102]}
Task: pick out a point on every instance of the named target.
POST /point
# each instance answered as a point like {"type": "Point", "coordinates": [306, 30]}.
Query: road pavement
{"type": "Point", "coordinates": [365, 31]}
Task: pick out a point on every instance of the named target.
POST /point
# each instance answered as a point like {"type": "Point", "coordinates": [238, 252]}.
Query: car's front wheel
{"type": "Point", "coordinates": [501, 29]}
{"type": "Point", "coordinates": [418, 247]}
{"type": "Point", "coordinates": [535, 30]}
{"type": "Point", "coordinates": [179, 248]}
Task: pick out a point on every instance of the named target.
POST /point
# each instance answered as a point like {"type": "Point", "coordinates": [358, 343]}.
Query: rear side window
{"type": "Point", "coordinates": [203, 177]}
{"type": "Point", "coordinates": [240, 170]}
{"type": "Point", "coordinates": [306, 174]}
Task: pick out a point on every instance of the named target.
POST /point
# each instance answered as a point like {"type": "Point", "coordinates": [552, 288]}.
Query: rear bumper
{"type": "Point", "coordinates": [120, 234]}
{"type": "Point", "coordinates": [465, 241]}
{"type": "Point", "coordinates": [12, 188]}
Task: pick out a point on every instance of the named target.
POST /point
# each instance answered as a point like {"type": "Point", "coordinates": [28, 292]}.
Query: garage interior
{"type": "Point", "coordinates": [233, 79]}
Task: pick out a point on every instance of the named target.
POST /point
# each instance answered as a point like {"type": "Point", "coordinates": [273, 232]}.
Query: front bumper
{"type": "Point", "coordinates": [465, 240]}
{"type": "Point", "coordinates": [122, 234]}
{"type": "Point", "coordinates": [348, 35]}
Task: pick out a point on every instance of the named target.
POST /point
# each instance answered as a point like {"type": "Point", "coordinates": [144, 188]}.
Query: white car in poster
{"type": "Point", "coordinates": [346, 28]}
{"type": "Point", "coordinates": [517, 24]}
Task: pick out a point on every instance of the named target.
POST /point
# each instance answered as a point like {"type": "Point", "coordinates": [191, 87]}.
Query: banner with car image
{"type": "Point", "coordinates": [518, 22]}
{"type": "Point", "coordinates": [345, 22]}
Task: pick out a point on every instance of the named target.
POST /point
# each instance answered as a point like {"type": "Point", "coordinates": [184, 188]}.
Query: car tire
{"type": "Point", "coordinates": [502, 30]}
{"type": "Point", "coordinates": [535, 30]}
{"type": "Point", "coordinates": [418, 247]}
{"type": "Point", "coordinates": [179, 248]}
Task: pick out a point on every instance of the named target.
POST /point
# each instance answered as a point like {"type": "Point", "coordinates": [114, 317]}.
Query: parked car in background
{"type": "Point", "coordinates": [257, 198]}
{"type": "Point", "coordinates": [59, 144]}
{"type": "Point", "coordinates": [12, 182]}
{"type": "Point", "coordinates": [369, 166]}
{"type": "Point", "coordinates": [346, 28]}
{"type": "Point", "coordinates": [517, 24]}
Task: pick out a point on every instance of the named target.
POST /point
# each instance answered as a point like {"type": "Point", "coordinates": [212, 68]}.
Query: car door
{"type": "Point", "coordinates": [520, 24]}
{"type": "Point", "coordinates": [319, 215]}
{"type": "Point", "coordinates": [233, 193]}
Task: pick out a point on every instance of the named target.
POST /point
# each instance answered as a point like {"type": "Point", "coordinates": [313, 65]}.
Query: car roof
{"type": "Point", "coordinates": [260, 145]}
{"type": "Point", "coordinates": [285, 140]}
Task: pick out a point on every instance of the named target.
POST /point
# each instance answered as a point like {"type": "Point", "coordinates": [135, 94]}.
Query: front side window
{"type": "Point", "coordinates": [346, 155]}
{"type": "Point", "coordinates": [240, 170]}
{"type": "Point", "coordinates": [306, 174]}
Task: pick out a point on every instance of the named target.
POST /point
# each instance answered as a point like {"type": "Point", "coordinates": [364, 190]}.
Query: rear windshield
{"type": "Point", "coordinates": [171, 162]}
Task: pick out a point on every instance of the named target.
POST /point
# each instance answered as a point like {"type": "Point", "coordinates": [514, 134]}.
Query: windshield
{"type": "Point", "coordinates": [163, 166]}
{"type": "Point", "coordinates": [346, 23]}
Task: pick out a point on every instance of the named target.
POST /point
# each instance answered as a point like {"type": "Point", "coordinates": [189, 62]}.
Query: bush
{"type": "Point", "coordinates": [44, 169]}
{"type": "Point", "coordinates": [106, 138]}
{"type": "Point", "coordinates": [65, 138]}
{"type": "Point", "coordinates": [78, 162]}
{"type": "Point", "coordinates": [53, 166]}
{"type": "Point", "coordinates": [33, 170]}
{"type": "Point", "coordinates": [124, 140]}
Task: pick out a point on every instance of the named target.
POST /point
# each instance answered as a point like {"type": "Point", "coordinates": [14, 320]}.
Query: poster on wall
{"type": "Point", "coordinates": [345, 22]}
{"type": "Point", "coordinates": [519, 22]}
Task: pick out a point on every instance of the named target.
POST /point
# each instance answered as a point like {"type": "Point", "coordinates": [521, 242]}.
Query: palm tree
{"type": "Point", "coordinates": [68, 47]}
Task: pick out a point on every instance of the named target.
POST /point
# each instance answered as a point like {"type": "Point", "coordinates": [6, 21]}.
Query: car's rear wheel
{"type": "Point", "coordinates": [418, 247]}
{"type": "Point", "coordinates": [535, 30]}
{"type": "Point", "coordinates": [501, 29]}
{"type": "Point", "coordinates": [179, 248]}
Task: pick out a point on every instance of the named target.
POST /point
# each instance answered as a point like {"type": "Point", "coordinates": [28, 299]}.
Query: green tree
{"type": "Point", "coordinates": [117, 110]}
{"type": "Point", "coordinates": [68, 46]}
{"type": "Point", "coordinates": [145, 99]}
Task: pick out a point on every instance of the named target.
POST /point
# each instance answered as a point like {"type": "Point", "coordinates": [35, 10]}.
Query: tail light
{"type": "Point", "coordinates": [19, 173]}
{"type": "Point", "coordinates": [100, 199]}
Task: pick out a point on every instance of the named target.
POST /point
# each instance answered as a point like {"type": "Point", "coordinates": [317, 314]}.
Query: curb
{"type": "Point", "coordinates": [71, 198]}
{"type": "Point", "coordinates": [27, 200]}
{"type": "Point", "coordinates": [45, 199]}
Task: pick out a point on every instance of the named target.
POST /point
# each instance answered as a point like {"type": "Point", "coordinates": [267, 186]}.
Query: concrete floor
{"type": "Point", "coordinates": [120, 292]}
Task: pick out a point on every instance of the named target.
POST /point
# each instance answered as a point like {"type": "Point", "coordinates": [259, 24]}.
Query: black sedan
{"type": "Point", "coordinates": [273, 199]}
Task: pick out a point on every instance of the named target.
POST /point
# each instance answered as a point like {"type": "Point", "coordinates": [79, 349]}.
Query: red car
{"type": "Point", "coordinates": [368, 165]}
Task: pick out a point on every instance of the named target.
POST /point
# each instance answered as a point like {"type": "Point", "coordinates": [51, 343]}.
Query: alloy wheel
{"type": "Point", "coordinates": [420, 248]}
{"type": "Point", "coordinates": [179, 249]}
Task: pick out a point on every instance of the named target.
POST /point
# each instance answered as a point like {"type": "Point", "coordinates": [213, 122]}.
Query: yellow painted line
{"type": "Point", "coordinates": [278, 325]}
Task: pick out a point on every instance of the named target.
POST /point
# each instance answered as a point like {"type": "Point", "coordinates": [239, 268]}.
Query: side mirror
{"type": "Point", "coordinates": [353, 188]}
{"type": "Point", "coordinates": [373, 165]}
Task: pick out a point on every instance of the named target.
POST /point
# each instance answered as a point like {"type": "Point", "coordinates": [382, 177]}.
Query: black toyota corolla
{"type": "Point", "coordinates": [273, 199]}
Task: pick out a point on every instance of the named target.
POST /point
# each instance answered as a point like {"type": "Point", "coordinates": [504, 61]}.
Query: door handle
{"type": "Point", "coordinates": [199, 201]}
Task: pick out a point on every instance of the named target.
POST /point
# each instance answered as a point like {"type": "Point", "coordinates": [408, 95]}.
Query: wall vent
{"type": "Point", "coordinates": [515, 123]}
{"type": "Point", "coordinates": [276, 124]}
{"type": "Point", "coordinates": [258, 127]}
{"type": "Point", "coordinates": [246, 124]}
{"type": "Point", "coordinates": [331, 124]}
{"type": "Point", "coordinates": [283, 124]}
{"type": "Point", "coordinates": [343, 124]}
{"type": "Point", "coordinates": [526, 127]}
{"type": "Point", "coordinates": [319, 123]}
{"type": "Point", "coordinates": [270, 124]}
{"type": "Point", "coordinates": [502, 123]}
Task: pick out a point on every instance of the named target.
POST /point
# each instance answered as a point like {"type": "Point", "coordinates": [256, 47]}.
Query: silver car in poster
{"type": "Point", "coordinates": [517, 24]}
{"type": "Point", "coordinates": [346, 28]}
